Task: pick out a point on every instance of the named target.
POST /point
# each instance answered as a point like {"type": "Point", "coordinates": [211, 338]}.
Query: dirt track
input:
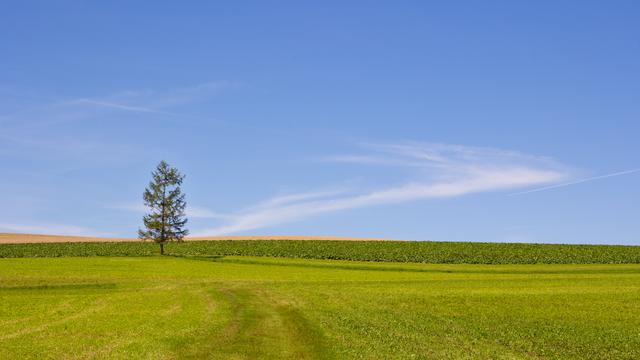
{"type": "Point", "coordinates": [36, 238]}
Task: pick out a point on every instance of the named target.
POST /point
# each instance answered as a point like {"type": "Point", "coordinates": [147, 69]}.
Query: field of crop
{"type": "Point", "coordinates": [387, 251]}
{"type": "Point", "coordinates": [16, 238]}
{"type": "Point", "coordinates": [257, 308]}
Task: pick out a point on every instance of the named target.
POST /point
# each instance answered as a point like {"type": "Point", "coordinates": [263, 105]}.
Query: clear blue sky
{"type": "Point", "coordinates": [398, 119]}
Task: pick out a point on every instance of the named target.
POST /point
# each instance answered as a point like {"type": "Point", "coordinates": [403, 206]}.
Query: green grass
{"type": "Point", "coordinates": [384, 251]}
{"type": "Point", "coordinates": [260, 308]}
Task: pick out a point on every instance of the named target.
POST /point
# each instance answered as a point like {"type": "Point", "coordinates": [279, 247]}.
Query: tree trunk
{"type": "Point", "coordinates": [161, 248]}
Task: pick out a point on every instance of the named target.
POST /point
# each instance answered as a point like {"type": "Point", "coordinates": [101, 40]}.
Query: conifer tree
{"type": "Point", "coordinates": [166, 220]}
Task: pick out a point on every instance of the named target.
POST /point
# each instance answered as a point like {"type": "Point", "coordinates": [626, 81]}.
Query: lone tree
{"type": "Point", "coordinates": [166, 220]}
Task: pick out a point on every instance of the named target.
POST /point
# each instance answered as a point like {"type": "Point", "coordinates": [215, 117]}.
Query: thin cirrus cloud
{"type": "Point", "coordinates": [120, 106]}
{"type": "Point", "coordinates": [444, 171]}
{"type": "Point", "coordinates": [58, 229]}
{"type": "Point", "coordinates": [156, 101]}
{"type": "Point", "coordinates": [204, 213]}
{"type": "Point", "coordinates": [287, 199]}
{"type": "Point", "coordinates": [146, 101]}
{"type": "Point", "coordinates": [190, 211]}
{"type": "Point", "coordinates": [36, 128]}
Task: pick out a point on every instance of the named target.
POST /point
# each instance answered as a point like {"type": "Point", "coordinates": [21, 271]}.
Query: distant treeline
{"type": "Point", "coordinates": [388, 251]}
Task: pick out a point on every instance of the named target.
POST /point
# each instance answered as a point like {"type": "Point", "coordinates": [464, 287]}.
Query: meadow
{"type": "Point", "coordinates": [241, 307]}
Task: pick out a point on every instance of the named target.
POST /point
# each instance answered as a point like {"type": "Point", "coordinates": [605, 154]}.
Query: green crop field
{"type": "Point", "coordinates": [258, 307]}
{"type": "Point", "coordinates": [387, 251]}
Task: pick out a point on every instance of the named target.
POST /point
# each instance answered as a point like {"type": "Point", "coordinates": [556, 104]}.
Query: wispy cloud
{"type": "Point", "coordinates": [157, 101]}
{"type": "Point", "coordinates": [191, 211]}
{"type": "Point", "coordinates": [49, 127]}
{"type": "Point", "coordinates": [372, 160]}
{"type": "Point", "coordinates": [620, 173]}
{"type": "Point", "coordinates": [119, 106]}
{"type": "Point", "coordinates": [445, 171]}
{"type": "Point", "coordinates": [49, 229]}
{"type": "Point", "coordinates": [282, 200]}
{"type": "Point", "coordinates": [204, 213]}
{"type": "Point", "coordinates": [146, 101]}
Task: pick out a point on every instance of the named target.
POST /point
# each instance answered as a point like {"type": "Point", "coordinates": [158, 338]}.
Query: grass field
{"type": "Point", "coordinates": [254, 308]}
{"type": "Point", "coordinates": [387, 251]}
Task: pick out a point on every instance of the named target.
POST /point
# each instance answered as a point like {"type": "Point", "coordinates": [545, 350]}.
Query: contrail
{"type": "Point", "coordinates": [577, 182]}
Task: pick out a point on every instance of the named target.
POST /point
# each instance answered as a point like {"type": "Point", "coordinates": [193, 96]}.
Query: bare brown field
{"type": "Point", "coordinates": [6, 238]}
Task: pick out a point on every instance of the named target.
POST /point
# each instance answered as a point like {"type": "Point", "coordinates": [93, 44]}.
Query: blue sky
{"type": "Point", "coordinates": [398, 119]}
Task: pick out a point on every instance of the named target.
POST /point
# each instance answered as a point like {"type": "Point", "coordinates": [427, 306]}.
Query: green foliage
{"type": "Point", "coordinates": [165, 199]}
{"type": "Point", "coordinates": [268, 308]}
{"type": "Point", "coordinates": [386, 251]}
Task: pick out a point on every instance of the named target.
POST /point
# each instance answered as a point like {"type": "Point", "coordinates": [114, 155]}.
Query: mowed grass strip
{"type": "Point", "coordinates": [248, 308]}
{"type": "Point", "coordinates": [382, 251]}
